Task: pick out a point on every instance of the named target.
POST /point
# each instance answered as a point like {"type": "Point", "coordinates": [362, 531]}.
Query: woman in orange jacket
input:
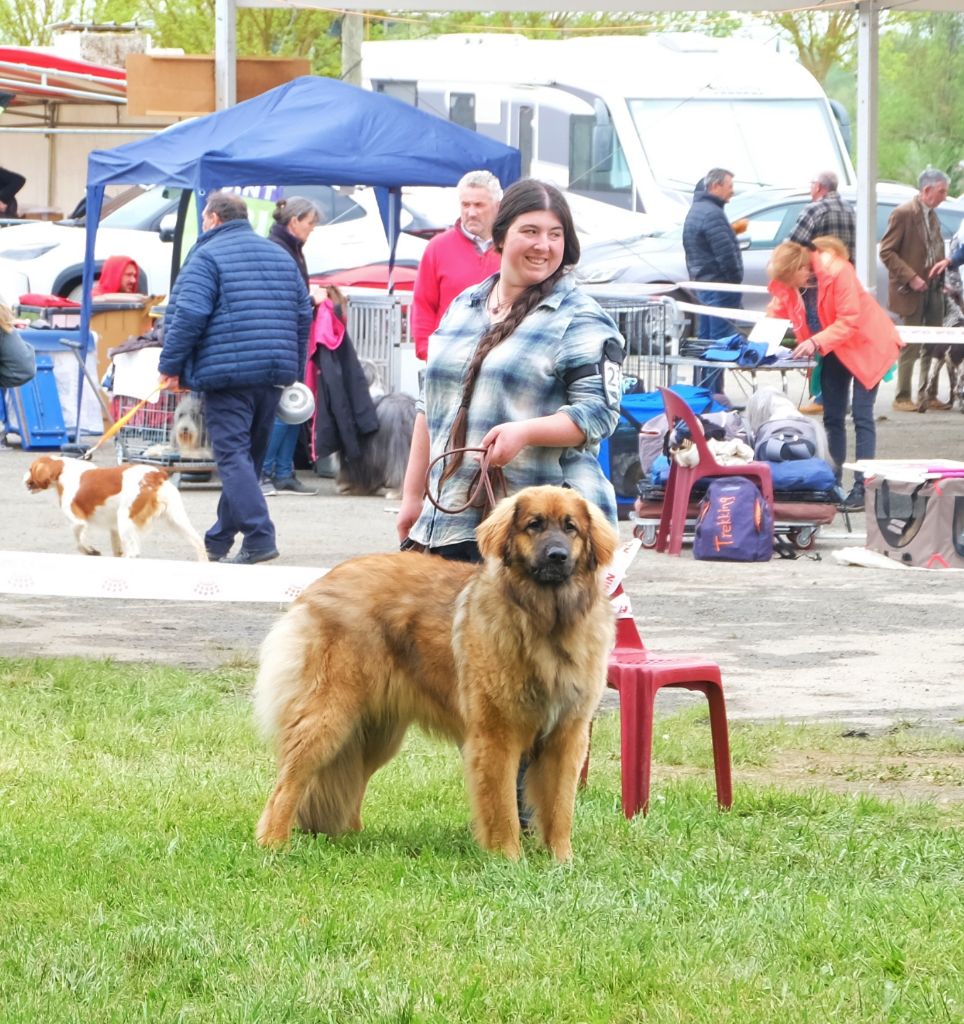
{"type": "Point", "coordinates": [817, 290]}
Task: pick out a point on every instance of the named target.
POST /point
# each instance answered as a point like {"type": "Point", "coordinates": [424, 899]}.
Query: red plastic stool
{"type": "Point", "coordinates": [637, 674]}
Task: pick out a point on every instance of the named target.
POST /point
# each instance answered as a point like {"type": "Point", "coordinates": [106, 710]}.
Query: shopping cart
{"type": "Point", "coordinates": [148, 436]}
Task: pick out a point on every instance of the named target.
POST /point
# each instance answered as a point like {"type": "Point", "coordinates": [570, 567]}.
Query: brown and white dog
{"type": "Point", "coordinates": [126, 500]}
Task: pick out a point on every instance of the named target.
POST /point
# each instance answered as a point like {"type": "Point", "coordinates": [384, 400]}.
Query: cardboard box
{"type": "Point", "coordinates": [183, 85]}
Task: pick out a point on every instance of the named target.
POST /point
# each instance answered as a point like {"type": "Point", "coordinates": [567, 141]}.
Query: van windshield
{"type": "Point", "coordinates": [758, 140]}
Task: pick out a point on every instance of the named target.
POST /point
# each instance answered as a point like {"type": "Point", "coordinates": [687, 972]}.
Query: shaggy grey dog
{"type": "Point", "coordinates": [189, 433]}
{"type": "Point", "coordinates": [384, 454]}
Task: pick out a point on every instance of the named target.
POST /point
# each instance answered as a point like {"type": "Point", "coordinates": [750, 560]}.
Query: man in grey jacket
{"type": "Point", "coordinates": [236, 329]}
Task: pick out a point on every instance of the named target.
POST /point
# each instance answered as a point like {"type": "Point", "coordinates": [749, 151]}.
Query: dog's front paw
{"type": "Point", "coordinates": [271, 833]}
{"type": "Point", "coordinates": [90, 551]}
{"type": "Point", "coordinates": [561, 850]}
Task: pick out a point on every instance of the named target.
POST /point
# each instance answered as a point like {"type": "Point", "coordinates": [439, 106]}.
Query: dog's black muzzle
{"type": "Point", "coordinates": [553, 562]}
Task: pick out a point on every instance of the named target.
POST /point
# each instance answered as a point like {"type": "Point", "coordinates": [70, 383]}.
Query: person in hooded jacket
{"type": "Point", "coordinates": [120, 275]}
{"type": "Point", "coordinates": [832, 315]}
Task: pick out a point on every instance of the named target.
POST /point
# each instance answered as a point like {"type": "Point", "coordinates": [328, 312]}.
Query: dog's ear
{"type": "Point", "coordinates": [602, 538]}
{"type": "Point", "coordinates": [44, 471]}
{"type": "Point", "coordinates": [494, 533]}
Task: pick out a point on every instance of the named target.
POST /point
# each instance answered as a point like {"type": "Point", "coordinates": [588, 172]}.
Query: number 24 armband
{"type": "Point", "coordinates": [609, 367]}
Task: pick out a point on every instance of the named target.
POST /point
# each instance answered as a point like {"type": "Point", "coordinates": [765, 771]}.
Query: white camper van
{"type": "Point", "coordinates": [633, 120]}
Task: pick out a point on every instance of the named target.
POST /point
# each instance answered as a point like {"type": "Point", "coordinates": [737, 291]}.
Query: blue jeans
{"type": "Point", "coordinates": [836, 382]}
{"type": "Point", "coordinates": [279, 462]}
{"type": "Point", "coordinates": [714, 328]}
{"type": "Point", "coordinates": [239, 423]}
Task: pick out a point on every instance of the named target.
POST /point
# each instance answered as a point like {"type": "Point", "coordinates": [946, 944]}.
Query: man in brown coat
{"type": "Point", "coordinates": [911, 245]}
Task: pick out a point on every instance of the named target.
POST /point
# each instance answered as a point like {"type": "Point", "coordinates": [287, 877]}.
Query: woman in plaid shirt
{"type": "Point", "coordinates": [523, 364]}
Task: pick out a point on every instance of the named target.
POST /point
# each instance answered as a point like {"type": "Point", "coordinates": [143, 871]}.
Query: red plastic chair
{"type": "Point", "coordinates": [637, 674]}
{"type": "Point", "coordinates": [672, 520]}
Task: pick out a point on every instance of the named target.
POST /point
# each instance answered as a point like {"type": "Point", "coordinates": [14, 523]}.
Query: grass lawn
{"type": "Point", "coordinates": [131, 888]}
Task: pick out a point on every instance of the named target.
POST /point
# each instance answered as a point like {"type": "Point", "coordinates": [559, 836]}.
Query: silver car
{"type": "Point", "coordinates": [770, 213]}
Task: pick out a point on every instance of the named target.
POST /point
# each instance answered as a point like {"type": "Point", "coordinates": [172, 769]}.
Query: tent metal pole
{"type": "Point", "coordinates": [867, 80]}
{"type": "Point", "coordinates": [225, 54]}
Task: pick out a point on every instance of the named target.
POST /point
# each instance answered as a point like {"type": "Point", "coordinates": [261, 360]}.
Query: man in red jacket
{"type": "Point", "coordinates": [457, 258]}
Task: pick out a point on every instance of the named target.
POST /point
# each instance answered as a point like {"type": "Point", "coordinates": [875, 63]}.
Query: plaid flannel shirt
{"type": "Point", "coordinates": [522, 378]}
{"type": "Point", "coordinates": [830, 215]}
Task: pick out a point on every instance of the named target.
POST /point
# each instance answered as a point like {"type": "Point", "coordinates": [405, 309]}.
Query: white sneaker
{"type": "Point", "coordinates": [268, 489]}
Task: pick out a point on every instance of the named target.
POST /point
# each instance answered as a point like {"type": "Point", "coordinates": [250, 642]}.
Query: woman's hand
{"type": "Point", "coordinates": [413, 487]}
{"type": "Point", "coordinates": [804, 350]}
{"type": "Point", "coordinates": [505, 441]}
{"type": "Point", "coordinates": [409, 510]}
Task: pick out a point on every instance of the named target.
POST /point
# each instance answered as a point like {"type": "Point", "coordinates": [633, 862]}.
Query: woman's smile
{"type": "Point", "coordinates": [532, 250]}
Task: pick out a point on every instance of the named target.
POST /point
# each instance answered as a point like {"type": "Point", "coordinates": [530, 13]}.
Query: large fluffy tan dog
{"type": "Point", "coordinates": [502, 658]}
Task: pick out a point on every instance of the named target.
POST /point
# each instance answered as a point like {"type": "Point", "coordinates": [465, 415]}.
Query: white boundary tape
{"type": "Point", "coordinates": [147, 579]}
{"type": "Point", "coordinates": [28, 572]}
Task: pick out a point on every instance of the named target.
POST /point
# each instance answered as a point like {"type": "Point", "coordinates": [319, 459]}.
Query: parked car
{"type": "Point", "coordinates": [433, 210]}
{"type": "Point", "coordinates": [48, 258]}
{"type": "Point", "coordinates": [770, 213]}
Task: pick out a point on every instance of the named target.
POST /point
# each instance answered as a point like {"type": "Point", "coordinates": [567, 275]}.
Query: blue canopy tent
{"type": "Point", "coordinates": [310, 131]}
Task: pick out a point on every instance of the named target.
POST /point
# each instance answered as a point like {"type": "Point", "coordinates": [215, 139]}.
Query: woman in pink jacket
{"type": "Point", "coordinates": [817, 290]}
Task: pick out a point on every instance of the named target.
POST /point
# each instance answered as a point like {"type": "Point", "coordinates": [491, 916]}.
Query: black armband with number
{"type": "Point", "coordinates": [609, 367]}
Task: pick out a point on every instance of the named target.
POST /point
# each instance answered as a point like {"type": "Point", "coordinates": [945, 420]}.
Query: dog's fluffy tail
{"type": "Point", "coordinates": [281, 670]}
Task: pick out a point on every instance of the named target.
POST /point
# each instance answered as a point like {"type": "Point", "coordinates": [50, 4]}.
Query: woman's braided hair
{"type": "Point", "coordinates": [523, 197]}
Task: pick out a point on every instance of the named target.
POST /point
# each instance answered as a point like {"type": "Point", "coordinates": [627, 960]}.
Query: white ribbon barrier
{"type": "Point", "coordinates": [28, 572]}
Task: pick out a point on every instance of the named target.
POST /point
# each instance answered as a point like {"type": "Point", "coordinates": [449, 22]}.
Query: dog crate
{"type": "Point", "coordinates": [917, 523]}
{"type": "Point", "coordinates": [378, 327]}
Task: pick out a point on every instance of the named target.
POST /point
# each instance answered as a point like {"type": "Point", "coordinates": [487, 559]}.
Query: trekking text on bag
{"type": "Point", "coordinates": [734, 524]}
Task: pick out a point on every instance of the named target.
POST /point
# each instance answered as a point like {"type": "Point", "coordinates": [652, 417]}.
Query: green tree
{"type": "Point", "coordinates": [27, 22]}
{"type": "Point", "coordinates": [276, 32]}
{"type": "Point", "coordinates": [549, 24]}
{"type": "Point", "coordinates": [921, 116]}
{"type": "Point", "coordinates": [823, 40]}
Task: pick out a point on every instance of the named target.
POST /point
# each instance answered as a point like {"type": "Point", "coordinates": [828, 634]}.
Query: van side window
{"type": "Point", "coordinates": [462, 109]}
{"type": "Point", "coordinates": [407, 92]}
{"type": "Point", "coordinates": [596, 159]}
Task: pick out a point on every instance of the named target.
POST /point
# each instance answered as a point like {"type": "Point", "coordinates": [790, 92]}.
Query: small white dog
{"type": "Point", "coordinates": [125, 500]}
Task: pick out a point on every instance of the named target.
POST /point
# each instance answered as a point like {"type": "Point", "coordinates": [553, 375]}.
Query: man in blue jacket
{"type": "Point", "coordinates": [236, 329]}
{"type": "Point", "coordinates": [713, 254]}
